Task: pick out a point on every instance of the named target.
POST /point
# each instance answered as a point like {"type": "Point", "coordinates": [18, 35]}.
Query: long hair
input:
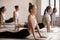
{"type": "Point", "coordinates": [46, 10]}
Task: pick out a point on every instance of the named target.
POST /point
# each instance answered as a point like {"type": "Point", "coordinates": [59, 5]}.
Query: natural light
{"type": "Point", "coordinates": [45, 3]}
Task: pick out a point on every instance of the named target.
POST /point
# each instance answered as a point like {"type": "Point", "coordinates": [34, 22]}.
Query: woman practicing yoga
{"type": "Point", "coordinates": [53, 17]}
{"type": "Point", "coordinates": [2, 14]}
{"type": "Point", "coordinates": [32, 22]}
{"type": "Point", "coordinates": [47, 18]}
{"type": "Point", "coordinates": [16, 17]}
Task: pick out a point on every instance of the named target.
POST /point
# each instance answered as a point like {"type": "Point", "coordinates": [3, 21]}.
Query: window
{"type": "Point", "coordinates": [56, 5]}
{"type": "Point", "coordinates": [45, 3]}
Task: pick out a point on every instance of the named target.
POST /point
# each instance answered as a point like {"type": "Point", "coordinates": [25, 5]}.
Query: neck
{"type": "Point", "coordinates": [16, 10]}
{"type": "Point", "coordinates": [2, 12]}
{"type": "Point", "coordinates": [48, 12]}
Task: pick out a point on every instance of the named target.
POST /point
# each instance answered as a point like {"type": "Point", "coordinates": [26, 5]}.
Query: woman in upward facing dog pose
{"type": "Point", "coordinates": [16, 17]}
{"type": "Point", "coordinates": [53, 17]}
{"type": "Point", "coordinates": [2, 15]}
{"type": "Point", "coordinates": [47, 18]}
{"type": "Point", "coordinates": [32, 22]}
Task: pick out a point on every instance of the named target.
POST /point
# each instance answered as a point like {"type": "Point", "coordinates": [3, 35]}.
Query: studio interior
{"type": "Point", "coordinates": [29, 19]}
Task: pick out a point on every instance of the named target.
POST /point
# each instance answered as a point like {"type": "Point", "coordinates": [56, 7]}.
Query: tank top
{"type": "Point", "coordinates": [34, 20]}
{"type": "Point", "coordinates": [17, 17]}
{"type": "Point", "coordinates": [3, 17]}
{"type": "Point", "coordinates": [48, 16]}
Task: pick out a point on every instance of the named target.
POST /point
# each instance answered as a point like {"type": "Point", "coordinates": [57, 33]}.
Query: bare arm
{"type": "Point", "coordinates": [38, 30]}
{"type": "Point", "coordinates": [31, 26]}
{"type": "Point", "coordinates": [14, 17]}
{"type": "Point", "coordinates": [53, 21]}
{"type": "Point", "coordinates": [48, 25]}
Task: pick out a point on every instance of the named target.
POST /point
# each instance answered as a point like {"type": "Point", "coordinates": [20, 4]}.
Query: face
{"type": "Point", "coordinates": [55, 11]}
{"type": "Point", "coordinates": [17, 9]}
{"type": "Point", "coordinates": [50, 10]}
{"type": "Point", "coordinates": [34, 10]}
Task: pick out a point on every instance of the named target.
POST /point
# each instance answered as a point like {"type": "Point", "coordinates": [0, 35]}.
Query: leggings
{"type": "Point", "coordinates": [21, 34]}
{"type": "Point", "coordinates": [41, 25]}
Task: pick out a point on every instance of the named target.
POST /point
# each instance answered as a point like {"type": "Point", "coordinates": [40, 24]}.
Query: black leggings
{"type": "Point", "coordinates": [21, 34]}
{"type": "Point", "coordinates": [41, 25]}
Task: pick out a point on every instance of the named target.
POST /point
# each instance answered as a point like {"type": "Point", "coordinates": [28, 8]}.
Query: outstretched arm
{"type": "Point", "coordinates": [48, 24]}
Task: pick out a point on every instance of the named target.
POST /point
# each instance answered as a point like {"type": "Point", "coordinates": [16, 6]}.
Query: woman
{"type": "Point", "coordinates": [32, 22]}
{"type": "Point", "coordinates": [53, 15]}
{"type": "Point", "coordinates": [47, 18]}
{"type": "Point", "coordinates": [3, 9]}
{"type": "Point", "coordinates": [16, 17]}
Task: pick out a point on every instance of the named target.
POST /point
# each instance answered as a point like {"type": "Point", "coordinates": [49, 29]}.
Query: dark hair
{"type": "Point", "coordinates": [54, 10]}
{"type": "Point", "coordinates": [16, 7]}
{"type": "Point", "coordinates": [30, 6]}
{"type": "Point", "coordinates": [2, 8]}
{"type": "Point", "coordinates": [46, 10]}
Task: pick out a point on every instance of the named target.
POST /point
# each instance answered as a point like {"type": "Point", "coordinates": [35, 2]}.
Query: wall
{"type": "Point", "coordinates": [39, 17]}
{"type": "Point", "coordinates": [9, 4]}
{"type": "Point", "coordinates": [23, 4]}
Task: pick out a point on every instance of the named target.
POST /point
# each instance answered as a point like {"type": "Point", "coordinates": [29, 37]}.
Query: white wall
{"type": "Point", "coordinates": [9, 4]}
{"type": "Point", "coordinates": [23, 4]}
{"type": "Point", "coordinates": [39, 17]}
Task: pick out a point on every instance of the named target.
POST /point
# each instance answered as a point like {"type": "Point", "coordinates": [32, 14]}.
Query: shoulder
{"type": "Point", "coordinates": [30, 17]}
{"type": "Point", "coordinates": [14, 12]}
{"type": "Point", "coordinates": [46, 15]}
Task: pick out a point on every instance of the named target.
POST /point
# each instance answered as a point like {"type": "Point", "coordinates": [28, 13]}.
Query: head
{"type": "Point", "coordinates": [54, 10]}
{"type": "Point", "coordinates": [3, 9]}
{"type": "Point", "coordinates": [32, 9]}
{"type": "Point", "coordinates": [48, 10]}
{"type": "Point", "coordinates": [16, 8]}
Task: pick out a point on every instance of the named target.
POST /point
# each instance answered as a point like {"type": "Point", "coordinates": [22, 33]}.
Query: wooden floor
{"type": "Point", "coordinates": [54, 35]}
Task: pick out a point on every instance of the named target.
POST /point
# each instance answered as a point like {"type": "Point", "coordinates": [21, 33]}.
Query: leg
{"type": "Point", "coordinates": [21, 25]}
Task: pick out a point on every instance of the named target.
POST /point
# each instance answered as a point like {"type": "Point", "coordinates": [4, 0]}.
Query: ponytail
{"type": "Point", "coordinates": [46, 10]}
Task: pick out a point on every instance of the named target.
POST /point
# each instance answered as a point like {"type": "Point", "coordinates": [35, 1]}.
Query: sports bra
{"type": "Point", "coordinates": [3, 17]}
{"type": "Point", "coordinates": [17, 15]}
